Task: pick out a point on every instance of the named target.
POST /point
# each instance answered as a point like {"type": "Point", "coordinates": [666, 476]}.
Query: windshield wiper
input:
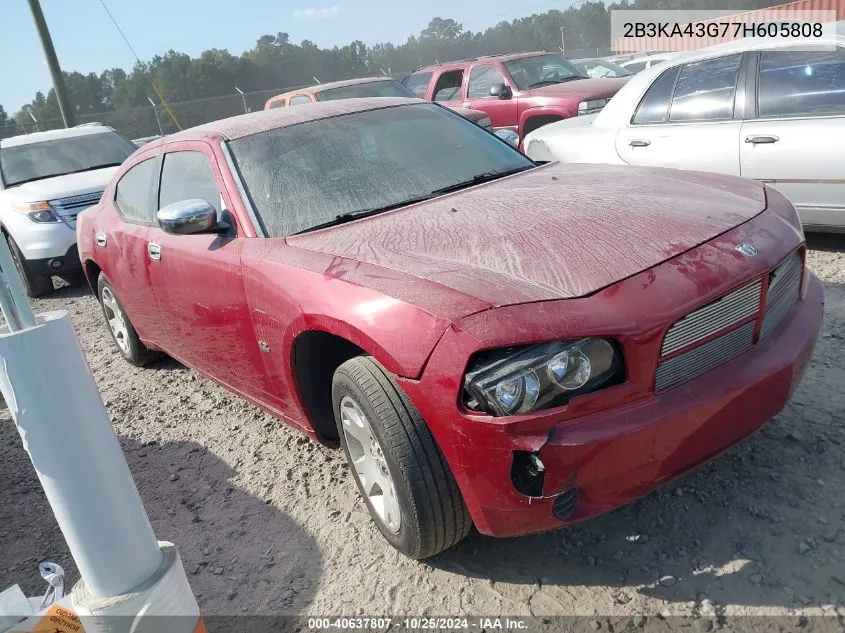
{"type": "Point", "coordinates": [478, 179]}
{"type": "Point", "coordinates": [549, 82]}
{"type": "Point", "coordinates": [66, 173]}
{"type": "Point", "coordinates": [343, 218]}
{"type": "Point", "coordinates": [103, 166]}
{"type": "Point", "coordinates": [33, 179]}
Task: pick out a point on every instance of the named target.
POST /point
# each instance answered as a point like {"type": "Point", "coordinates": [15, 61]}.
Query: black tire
{"type": "Point", "coordinates": [34, 285]}
{"type": "Point", "coordinates": [135, 351]}
{"type": "Point", "coordinates": [433, 514]}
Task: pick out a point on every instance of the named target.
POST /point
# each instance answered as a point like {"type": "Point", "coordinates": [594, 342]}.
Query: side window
{"type": "Point", "coordinates": [801, 84]}
{"type": "Point", "coordinates": [417, 83]}
{"type": "Point", "coordinates": [188, 176]}
{"type": "Point", "coordinates": [279, 103]}
{"type": "Point", "coordinates": [481, 79]}
{"type": "Point", "coordinates": [448, 86]}
{"type": "Point", "coordinates": [654, 107]}
{"type": "Point", "coordinates": [298, 99]}
{"type": "Point", "coordinates": [135, 192]}
{"type": "Point", "coordinates": [706, 89]}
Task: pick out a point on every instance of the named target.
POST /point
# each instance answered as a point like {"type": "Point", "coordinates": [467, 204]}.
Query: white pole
{"type": "Point", "coordinates": [243, 98]}
{"type": "Point", "coordinates": [66, 432]}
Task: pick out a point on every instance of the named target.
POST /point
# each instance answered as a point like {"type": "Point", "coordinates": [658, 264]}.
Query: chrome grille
{"type": "Point", "coordinates": [721, 318]}
{"type": "Point", "coordinates": [68, 208]}
{"type": "Point", "coordinates": [784, 287]}
{"type": "Point", "coordinates": [716, 316]}
{"type": "Point", "coordinates": [705, 357]}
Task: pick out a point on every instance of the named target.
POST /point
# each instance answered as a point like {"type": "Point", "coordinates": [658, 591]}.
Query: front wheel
{"type": "Point", "coordinates": [34, 285]}
{"type": "Point", "coordinates": [400, 471]}
{"type": "Point", "coordinates": [122, 331]}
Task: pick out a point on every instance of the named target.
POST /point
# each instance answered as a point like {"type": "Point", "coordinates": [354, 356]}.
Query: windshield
{"type": "Point", "coordinates": [372, 89]}
{"type": "Point", "coordinates": [599, 68]}
{"type": "Point", "coordinates": [57, 157]}
{"type": "Point", "coordinates": [307, 175]}
{"type": "Point", "coordinates": [542, 70]}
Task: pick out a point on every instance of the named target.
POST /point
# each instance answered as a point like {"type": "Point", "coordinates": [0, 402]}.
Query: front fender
{"type": "Point", "coordinates": [544, 110]}
{"type": "Point", "coordinates": [286, 300]}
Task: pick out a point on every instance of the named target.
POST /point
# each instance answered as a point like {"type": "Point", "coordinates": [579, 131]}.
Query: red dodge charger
{"type": "Point", "coordinates": [492, 342]}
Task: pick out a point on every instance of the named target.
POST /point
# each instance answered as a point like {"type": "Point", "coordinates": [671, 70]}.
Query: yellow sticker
{"type": "Point", "coordinates": [58, 620]}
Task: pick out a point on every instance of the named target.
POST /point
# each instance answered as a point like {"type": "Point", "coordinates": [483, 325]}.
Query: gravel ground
{"type": "Point", "coordinates": [268, 522]}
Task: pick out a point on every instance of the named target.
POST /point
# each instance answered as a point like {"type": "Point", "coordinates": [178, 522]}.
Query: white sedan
{"type": "Point", "coordinates": [742, 108]}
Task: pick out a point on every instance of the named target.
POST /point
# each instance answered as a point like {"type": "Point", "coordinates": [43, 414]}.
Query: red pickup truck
{"type": "Point", "coordinates": [521, 91]}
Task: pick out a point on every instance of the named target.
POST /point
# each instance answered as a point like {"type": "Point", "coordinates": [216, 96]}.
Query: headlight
{"type": "Point", "coordinates": [518, 380]}
{"type": "Point", "coordinates": [40, 212]}
{"type": "Point", "coordinates": [588, 107]}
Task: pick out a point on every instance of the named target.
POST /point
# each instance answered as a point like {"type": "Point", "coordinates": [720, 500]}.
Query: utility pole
{"type": "Point", "coordinates": [53, 63]}
{"type": "Point", "coordinates": [562, 45]}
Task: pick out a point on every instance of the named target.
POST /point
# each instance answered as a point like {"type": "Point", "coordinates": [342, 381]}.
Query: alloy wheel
{"type": "Point", "coordinates": [369, 464]}
{"type": "Point", "coordinates": [115, 318]}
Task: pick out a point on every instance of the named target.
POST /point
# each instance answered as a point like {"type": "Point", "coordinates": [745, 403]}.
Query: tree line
{"type": "Point", "coordinates": [277, 63]}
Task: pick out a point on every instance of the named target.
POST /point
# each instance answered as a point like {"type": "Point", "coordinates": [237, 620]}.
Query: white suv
{"type": "Point", "coordinates": [46, 180]}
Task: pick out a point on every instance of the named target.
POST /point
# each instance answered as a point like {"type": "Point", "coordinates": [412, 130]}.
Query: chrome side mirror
{"type": "Point", "coordinates": [187, 217]}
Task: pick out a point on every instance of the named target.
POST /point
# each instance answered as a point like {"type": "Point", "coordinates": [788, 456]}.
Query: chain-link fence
{"type": "Point", "coordinates": [152, 120]}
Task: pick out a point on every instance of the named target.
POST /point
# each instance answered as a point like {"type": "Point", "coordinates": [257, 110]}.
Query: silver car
{"type": "Point", "coordinates": [746, 108]}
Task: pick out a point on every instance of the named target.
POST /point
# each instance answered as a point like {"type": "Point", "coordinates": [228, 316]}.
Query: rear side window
{"type": "Point", "coordinates": [705, 90]}
{"type": "Point", "coordinates": [135, 192]}
{"type": "Point", "coordinates": [277, 104]}
{"type": "Point", "coordinates": [381, 88]}
{"type": "Point", "coordinates": [298, 99]}
{"type": "Point", "coordinates": [654, 108]}
{"type": "Point", "coordinates": [417, 83]}
{"type": "Point", "coordinates": [801, 83]}
{"type": "Point", "coordinates": [448, 86]}
{"type": "Point", "coordinates": [636, 67]}
{"type": "Point", "coordinates": [481, 79]}
{"type": "Point", "coordinates": [188, 176]}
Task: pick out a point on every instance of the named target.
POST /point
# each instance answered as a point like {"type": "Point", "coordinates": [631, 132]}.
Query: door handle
{"type": "Point", "coordinates": [154, 251]}
{"type": "Point", "coordinates": [760, 139]}
{"type": "Point", "coordinates": [100, 239]}
{"type": "Point", "coordinates": [639, 142]}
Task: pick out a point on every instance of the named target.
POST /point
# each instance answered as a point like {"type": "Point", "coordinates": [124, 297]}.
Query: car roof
{"type": "Point", "coordinates": [349, 82]}
{"type": "Point", "coordinates": [318, 88]}
{"type": "Point", "coordinates": [620, 106]}
{"type": "Point", "coordinates": [247, 124]}
{"type": "Point", "coordinates": [51, 135]}
{"type": "Point", "coordinates": [504, 57]}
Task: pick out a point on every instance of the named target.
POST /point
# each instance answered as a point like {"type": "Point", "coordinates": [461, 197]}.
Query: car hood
{"type": "Point", "coordinates": [63, 186]}
{"type": "Point", "coordinates": [583, 89]}
{"type": "Point", "coordinates": [554, 232]}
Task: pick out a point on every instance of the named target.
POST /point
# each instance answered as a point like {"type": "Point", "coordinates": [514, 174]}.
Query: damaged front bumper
{"type": "Point", "coordinates": [536, 473]}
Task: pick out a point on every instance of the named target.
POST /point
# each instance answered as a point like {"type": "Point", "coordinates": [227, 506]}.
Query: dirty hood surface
{"type": "Point", "coordinates": [554, 232]}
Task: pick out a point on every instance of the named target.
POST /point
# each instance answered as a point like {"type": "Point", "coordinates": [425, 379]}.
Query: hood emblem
{"type": "Point", "coordinates": [746, 249]}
